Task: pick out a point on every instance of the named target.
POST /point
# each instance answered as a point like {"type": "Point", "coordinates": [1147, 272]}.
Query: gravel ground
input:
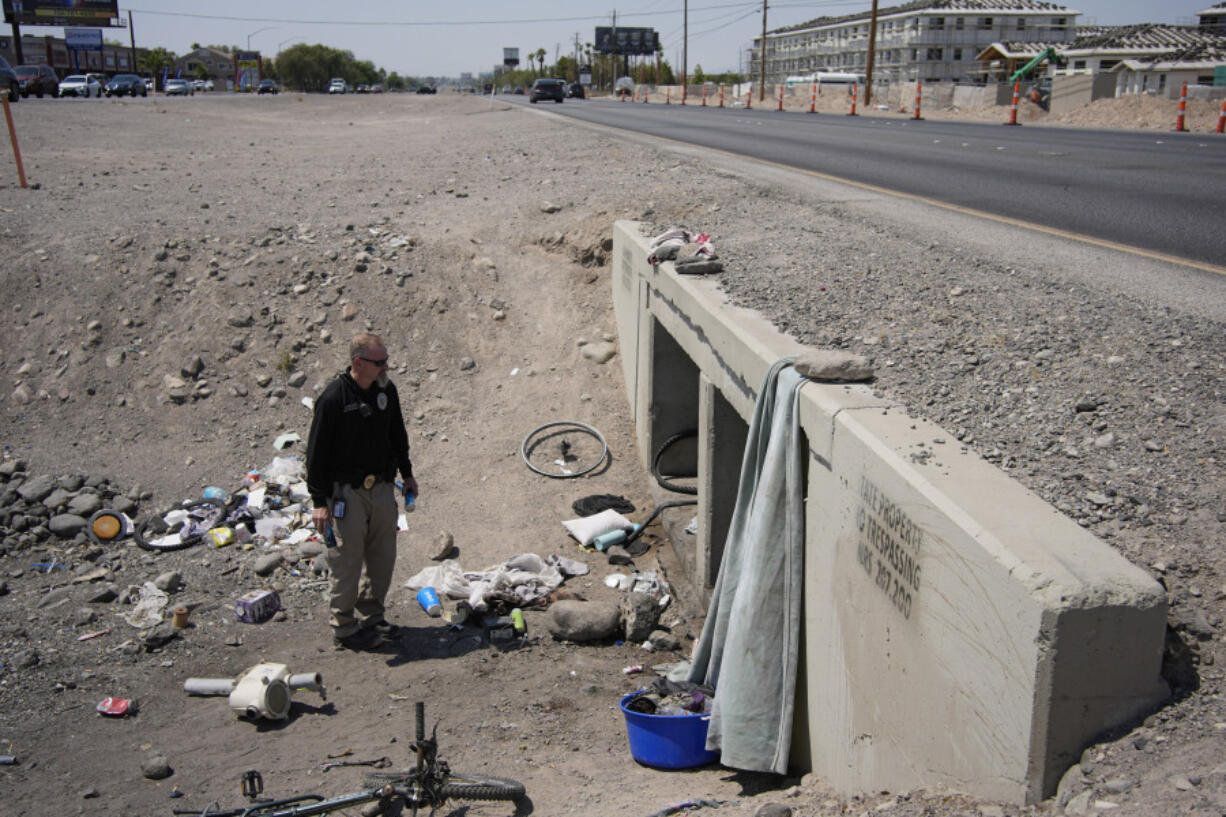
{"type": "Point", "coordinates": [256, 235]}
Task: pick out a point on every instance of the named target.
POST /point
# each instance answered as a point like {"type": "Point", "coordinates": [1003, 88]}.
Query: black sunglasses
{"type": "Point", "coordinates": [381, 362]}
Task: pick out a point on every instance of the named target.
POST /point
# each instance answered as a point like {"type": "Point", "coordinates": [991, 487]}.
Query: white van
{"type": "Point", "coordinates": [338, 86]}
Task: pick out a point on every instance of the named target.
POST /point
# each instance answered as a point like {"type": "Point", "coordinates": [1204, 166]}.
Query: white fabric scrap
{"type": "Point", "coordinates": [525, 577]}
{"type": "Point", "coordinates": [149, 606]}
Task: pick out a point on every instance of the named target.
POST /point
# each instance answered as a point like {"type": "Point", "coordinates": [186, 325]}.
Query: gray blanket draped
{"type": "Point", "coordinates": [750, 642]}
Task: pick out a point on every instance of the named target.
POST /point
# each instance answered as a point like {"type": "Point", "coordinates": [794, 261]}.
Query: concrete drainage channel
{"type": "Point", "coordinates": [958, 631]}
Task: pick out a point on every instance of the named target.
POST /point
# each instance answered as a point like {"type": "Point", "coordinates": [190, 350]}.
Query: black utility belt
{"type": "Point", "coordinates": [368, 481]}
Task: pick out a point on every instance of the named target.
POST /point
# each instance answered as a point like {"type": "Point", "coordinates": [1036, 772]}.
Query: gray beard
{"type": "Point", "coordinates": [383, 380]}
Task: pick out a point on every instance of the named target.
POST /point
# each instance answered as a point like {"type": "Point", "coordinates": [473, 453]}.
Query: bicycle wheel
{"type": "Point", "coordinates": [455, 785]}
{"type": "Point", "coordinates": [460, 786]}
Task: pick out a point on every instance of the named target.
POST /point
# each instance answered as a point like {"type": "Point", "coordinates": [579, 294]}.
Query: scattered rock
{"type": "Point", "coordinates": [599, 352]}
{"type": "Point", "coordinates": [168, 581]}
{"type": "Point", "coordinates": [639, 615]}
{"type": "Point", "coordinates": [773, 810]}
{"type": "Point", "coordinates": [266, 563]}
{"type": "Point", "coordinates": [442, 546]}
{"type": "Point", "coordinates": [156, 767]}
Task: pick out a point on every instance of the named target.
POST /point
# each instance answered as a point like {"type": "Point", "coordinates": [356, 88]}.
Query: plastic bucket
{"type": "Point", "coordinates": [667, 741]}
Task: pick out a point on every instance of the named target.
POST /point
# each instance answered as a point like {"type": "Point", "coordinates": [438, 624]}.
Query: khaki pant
{"type": "Point", "coordinates": [365, 536]}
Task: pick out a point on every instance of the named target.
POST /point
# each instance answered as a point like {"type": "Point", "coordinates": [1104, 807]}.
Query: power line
{"type": "Point", "coordinates": [430, 23]}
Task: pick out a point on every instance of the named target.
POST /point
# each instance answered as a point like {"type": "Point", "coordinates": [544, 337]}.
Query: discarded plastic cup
{"type": "Point", "coordinates": [410, 502]}
{"type": "Point", "coordinates": [213, 492]}
{"type": "Point", "coordinates": [429, 602]}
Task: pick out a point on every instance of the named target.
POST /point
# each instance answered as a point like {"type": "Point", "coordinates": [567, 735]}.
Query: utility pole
{"type": "Point", "coordinates": [762, 58]}
{"type": "Point", "coordinates": [613, 46]}
{"type": "Point", "coordinates": [132, 40]}
{"type": "Point", "coordinates": [872, 52]}
{"type": "Point", "coordinates": [16, 6]}
{"type": "Point", "coordinates": [685, 42]}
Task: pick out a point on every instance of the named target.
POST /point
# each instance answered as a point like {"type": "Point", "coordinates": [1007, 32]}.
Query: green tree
{"type": "Point", "coordinates": [394, 82]}
{"type": "Point", "coordinates": [698, 77]}
{"type": "Point", "coordinates": [155, 60]}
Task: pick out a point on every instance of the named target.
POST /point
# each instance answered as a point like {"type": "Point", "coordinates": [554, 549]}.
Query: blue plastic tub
{"type": "Point", "coordinates": [667, 741]}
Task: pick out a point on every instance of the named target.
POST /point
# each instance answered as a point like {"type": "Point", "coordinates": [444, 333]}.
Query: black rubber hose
{"type": "Point", "coordinates": [676, 503]}
{"type": "Point", "coordinates": [655, 463]}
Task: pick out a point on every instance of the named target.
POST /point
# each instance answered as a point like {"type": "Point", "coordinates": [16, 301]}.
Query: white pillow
{"type": "Point", "coordinates": [587, 528]}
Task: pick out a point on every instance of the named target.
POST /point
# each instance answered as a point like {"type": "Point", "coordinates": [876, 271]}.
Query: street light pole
{"type": "Point", "coordinates": [257, 31]}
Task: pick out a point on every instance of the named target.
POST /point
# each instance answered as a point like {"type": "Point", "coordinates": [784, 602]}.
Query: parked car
{"type": "Point", "coordinates": [545, 88]}
{"type": "Point", "coordinates": [208, 85]}
{"type": "Point", "coordinates": [338, 86]}
{"type": "Point", "coordinates": [179, 87]}
{"type": "Point", "coordinates": [8, 79]}
{"type": "Point", "coordinates": [128, 84]}
{"type": "Point", "coordinates": [85, 85]}
{"type": "Point", "coordinates": [198, 85]}
{"type": "Point", "coordinates": [38, 80]}
{"type": "Point", "coordinates": [575, 91]}
{"type": "Point", "coordinates": [519, 90]}
{"type": "Point", "coordinates": [267, 86]}
{"type": "Point", "coordinates": [376, 89]}
{"type": "Point", "coordinates": [149, 83]}
{"type": "Point", "coordinates": [362, 88]}
{"type": "Point", "coordinates": [427, 89]}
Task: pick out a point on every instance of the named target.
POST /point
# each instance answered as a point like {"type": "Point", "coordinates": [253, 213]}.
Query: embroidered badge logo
{"type": "Point", "coordinates": [381, 401]}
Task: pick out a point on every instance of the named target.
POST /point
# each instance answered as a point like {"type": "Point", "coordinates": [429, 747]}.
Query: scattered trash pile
{"type": "Point", "coordinates": [272, 506]}
{"type": "Point", "coordinates": [665, 697]}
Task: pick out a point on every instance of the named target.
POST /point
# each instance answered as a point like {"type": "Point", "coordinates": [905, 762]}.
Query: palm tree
{"type": "Point", "coordinates": [155, 59]}
{"type": "Point", "coordinates": [539, 56]}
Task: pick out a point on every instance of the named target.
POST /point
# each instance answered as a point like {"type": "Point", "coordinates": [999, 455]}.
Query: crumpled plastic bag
{"type": "Point", "coordinates": [149, 606]}
{"type": "Point", "coordinates": [526, 577]}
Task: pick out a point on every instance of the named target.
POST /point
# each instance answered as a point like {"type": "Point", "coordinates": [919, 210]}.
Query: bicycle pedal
{"type": "Point", "coordinates": [252, 784]}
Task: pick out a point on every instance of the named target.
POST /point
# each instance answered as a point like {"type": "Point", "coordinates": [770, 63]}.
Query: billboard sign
{"type": "Point", "coordinates": [629, 40]}
{"type": "Point", "coordinates": [83, 39]}
{"type": "Point", "coordinates": [60, 13]}
{"type": "Point", "coordinates": [510, 57]}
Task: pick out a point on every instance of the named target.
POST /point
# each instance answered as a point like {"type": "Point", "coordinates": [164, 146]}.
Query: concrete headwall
{"type": "Point", "coordinates": [958, 631]}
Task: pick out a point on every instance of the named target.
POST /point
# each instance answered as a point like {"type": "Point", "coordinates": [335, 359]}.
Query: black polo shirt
{"type": "Point", "coordinates": [355, 432]}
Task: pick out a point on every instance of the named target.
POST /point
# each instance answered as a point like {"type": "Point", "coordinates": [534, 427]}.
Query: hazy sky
{"type": "Point", "coordinates": [445, 39]}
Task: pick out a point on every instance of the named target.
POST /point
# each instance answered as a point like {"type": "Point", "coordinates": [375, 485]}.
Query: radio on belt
{"type": "Point", "coordinates": [257, 606]}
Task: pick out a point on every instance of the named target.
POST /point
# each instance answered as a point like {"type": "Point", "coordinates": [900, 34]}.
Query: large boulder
{"type": "Point", "coordinates": [571, 620]}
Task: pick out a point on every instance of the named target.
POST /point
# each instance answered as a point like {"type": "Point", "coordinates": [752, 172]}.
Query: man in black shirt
{"type": "Point", "coordinates": [358, 442]}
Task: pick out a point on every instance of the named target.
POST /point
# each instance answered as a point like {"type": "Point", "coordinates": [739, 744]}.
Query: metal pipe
{"type": "Point", "coordinates": [308, 680]}
{"type": "Point", "coordinates": [208, 686]}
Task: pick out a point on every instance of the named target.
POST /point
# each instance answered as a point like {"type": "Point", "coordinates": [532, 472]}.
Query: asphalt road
{"type": "Point", "coordinates": [1161, 192]}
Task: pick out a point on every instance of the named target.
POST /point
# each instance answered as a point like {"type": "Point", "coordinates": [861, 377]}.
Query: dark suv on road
{"type": "Point", "coordinates": [554, 89]}
{"type": "Point", "coordinates": [38, 80]}
{"type": "Point", "coordinates": [126, 84]}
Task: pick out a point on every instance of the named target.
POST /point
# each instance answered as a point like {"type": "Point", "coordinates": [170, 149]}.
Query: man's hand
{"type": "Point", "coordinates": [321, 517]}
{"type": "Point", "coordinates": [410, 486]}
